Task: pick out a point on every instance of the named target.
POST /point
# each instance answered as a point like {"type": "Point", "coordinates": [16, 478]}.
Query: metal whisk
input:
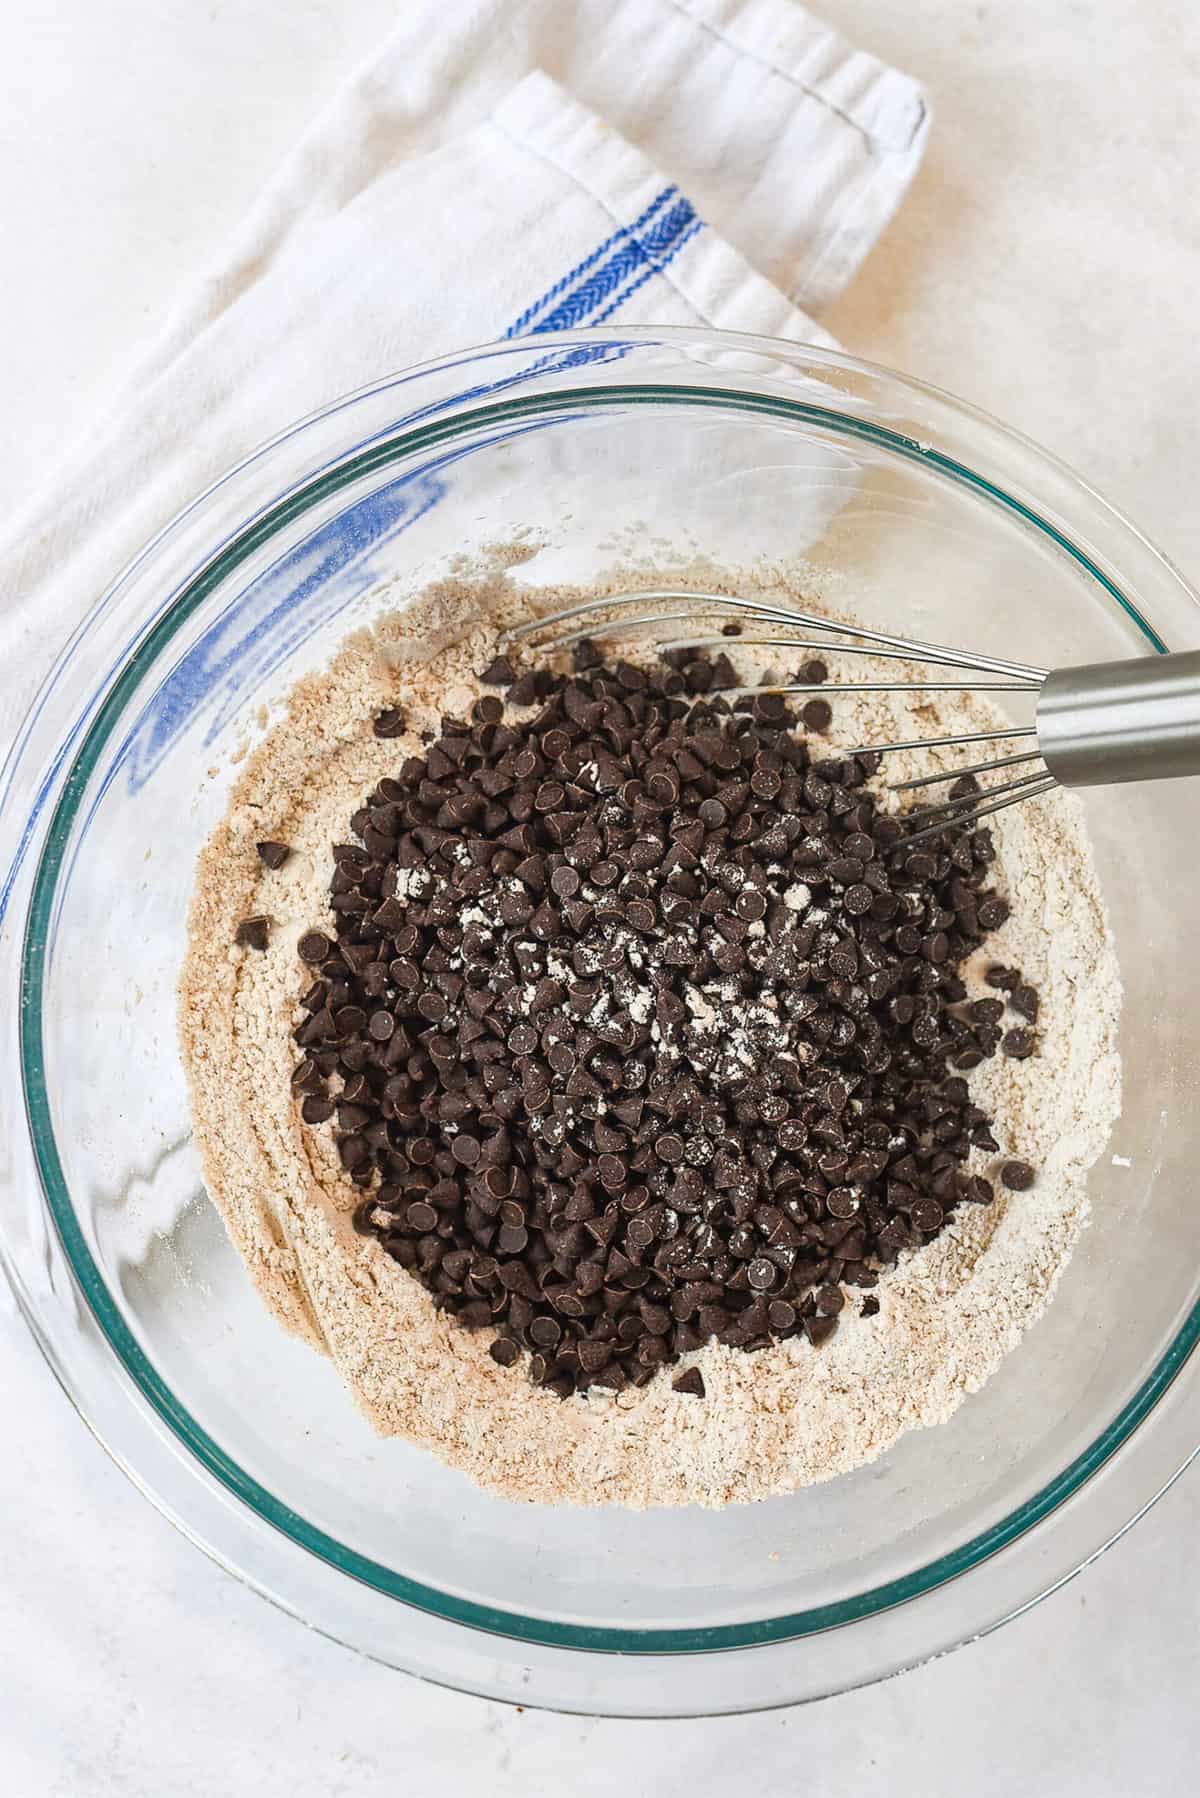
{"type": "Point", "coordinates": [1094, 725]}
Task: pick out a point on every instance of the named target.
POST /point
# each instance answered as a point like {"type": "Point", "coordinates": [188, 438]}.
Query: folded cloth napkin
{"type": "Point", "coordinates": [502, 167]}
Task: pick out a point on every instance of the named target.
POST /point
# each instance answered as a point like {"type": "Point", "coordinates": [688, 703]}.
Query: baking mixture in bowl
{"type": "Point", "coordinates": [589, 1065]}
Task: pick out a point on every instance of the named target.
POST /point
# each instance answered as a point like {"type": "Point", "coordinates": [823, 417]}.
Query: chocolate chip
{"type": "Point", "coordinates": [498, 673]}
{"type": "Point", "coordinates": [817, 713]}
{"type": "Point", "coordinates": [272, 855]}
{"type": "Point", "coordinates": [819, 1329]}
{"type": "Point", "coordinates": [253, 933]}
{"type": "Point", "coordinates": [389, 723]}
{"type": "Point", "coordinates": [986, 1011]}
{"type": "Point", "coordinates": [1025, 1000]}
{"type": "Point", "coordinates": [465, 1150]}
{"type": "Point", "coordinates": [1018, 1176]}
{"type": "Point", "coordinates": [1018, 1043]}
{"type": "Point", "coordinates": [314, 947]}
{"type": "Point", "coordinates": [691, 1382]}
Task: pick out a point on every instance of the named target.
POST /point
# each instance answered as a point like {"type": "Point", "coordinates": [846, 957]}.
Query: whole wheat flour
{"type": "Point", "coordinates": [771, 1421]}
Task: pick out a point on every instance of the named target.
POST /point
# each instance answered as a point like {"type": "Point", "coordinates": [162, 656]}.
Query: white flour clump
{"type": "Point", "coordinates": [772, 1420]}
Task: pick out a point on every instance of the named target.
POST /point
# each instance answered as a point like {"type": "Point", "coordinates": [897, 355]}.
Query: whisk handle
{"type": "Point", "coordinates": [1117, 721]}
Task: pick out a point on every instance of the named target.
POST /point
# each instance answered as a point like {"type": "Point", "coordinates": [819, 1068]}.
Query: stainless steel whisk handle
{"type": "Point", "coordinates": [1117, 721]}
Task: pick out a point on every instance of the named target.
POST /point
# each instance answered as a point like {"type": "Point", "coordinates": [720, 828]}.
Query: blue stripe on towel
{"type": "Point", "coordinates": [646, 274]}
{"type": "Point", "coordinates": [525, 323]}
{"type": "Point", "coordinates": [637, 251]}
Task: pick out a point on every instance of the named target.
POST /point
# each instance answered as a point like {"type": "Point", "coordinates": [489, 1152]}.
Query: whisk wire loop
{"type": "Point", "coordinates": [1093, 725]}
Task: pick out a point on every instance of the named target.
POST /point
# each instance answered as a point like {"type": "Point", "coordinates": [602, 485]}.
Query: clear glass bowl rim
{"type": "Point", "coordinates": [419, 433]}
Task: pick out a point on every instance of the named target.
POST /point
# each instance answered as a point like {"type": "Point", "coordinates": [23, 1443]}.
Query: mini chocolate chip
{"type": "Point", "coordinates": [818, 1328]}
{"type": "Point", "coordinates": [272, 855]}
{"type": "Point", "coordinates": [1018, 1176]}
{"type": "Point", "coordinates": [986, 1011]}
{"type": "Point", "coordinates": [253, 933]}
{"type": "Point", "coordinates": [465, 1150]}
{"type": "Point", "coordinates": [1018, 1043]}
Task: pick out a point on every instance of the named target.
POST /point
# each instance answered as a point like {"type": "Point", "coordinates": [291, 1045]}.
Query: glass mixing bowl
{"type": "Point", "coordinates": [931, 518]}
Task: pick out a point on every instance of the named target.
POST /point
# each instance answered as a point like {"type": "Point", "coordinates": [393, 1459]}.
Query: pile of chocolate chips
{"type": "Point", "coordinates": [643, 1024]}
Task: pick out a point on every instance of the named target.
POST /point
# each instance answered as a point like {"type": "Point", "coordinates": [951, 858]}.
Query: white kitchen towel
{"type": "Point", "coordinates": [456, 191]}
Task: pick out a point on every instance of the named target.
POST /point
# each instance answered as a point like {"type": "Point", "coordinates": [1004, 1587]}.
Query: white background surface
{"type": "Point", "coordinates": [1047, 266]}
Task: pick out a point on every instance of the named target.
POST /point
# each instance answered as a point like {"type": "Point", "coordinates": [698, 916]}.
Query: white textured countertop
{"type": "Point", "coordinates": [1046, 266]}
